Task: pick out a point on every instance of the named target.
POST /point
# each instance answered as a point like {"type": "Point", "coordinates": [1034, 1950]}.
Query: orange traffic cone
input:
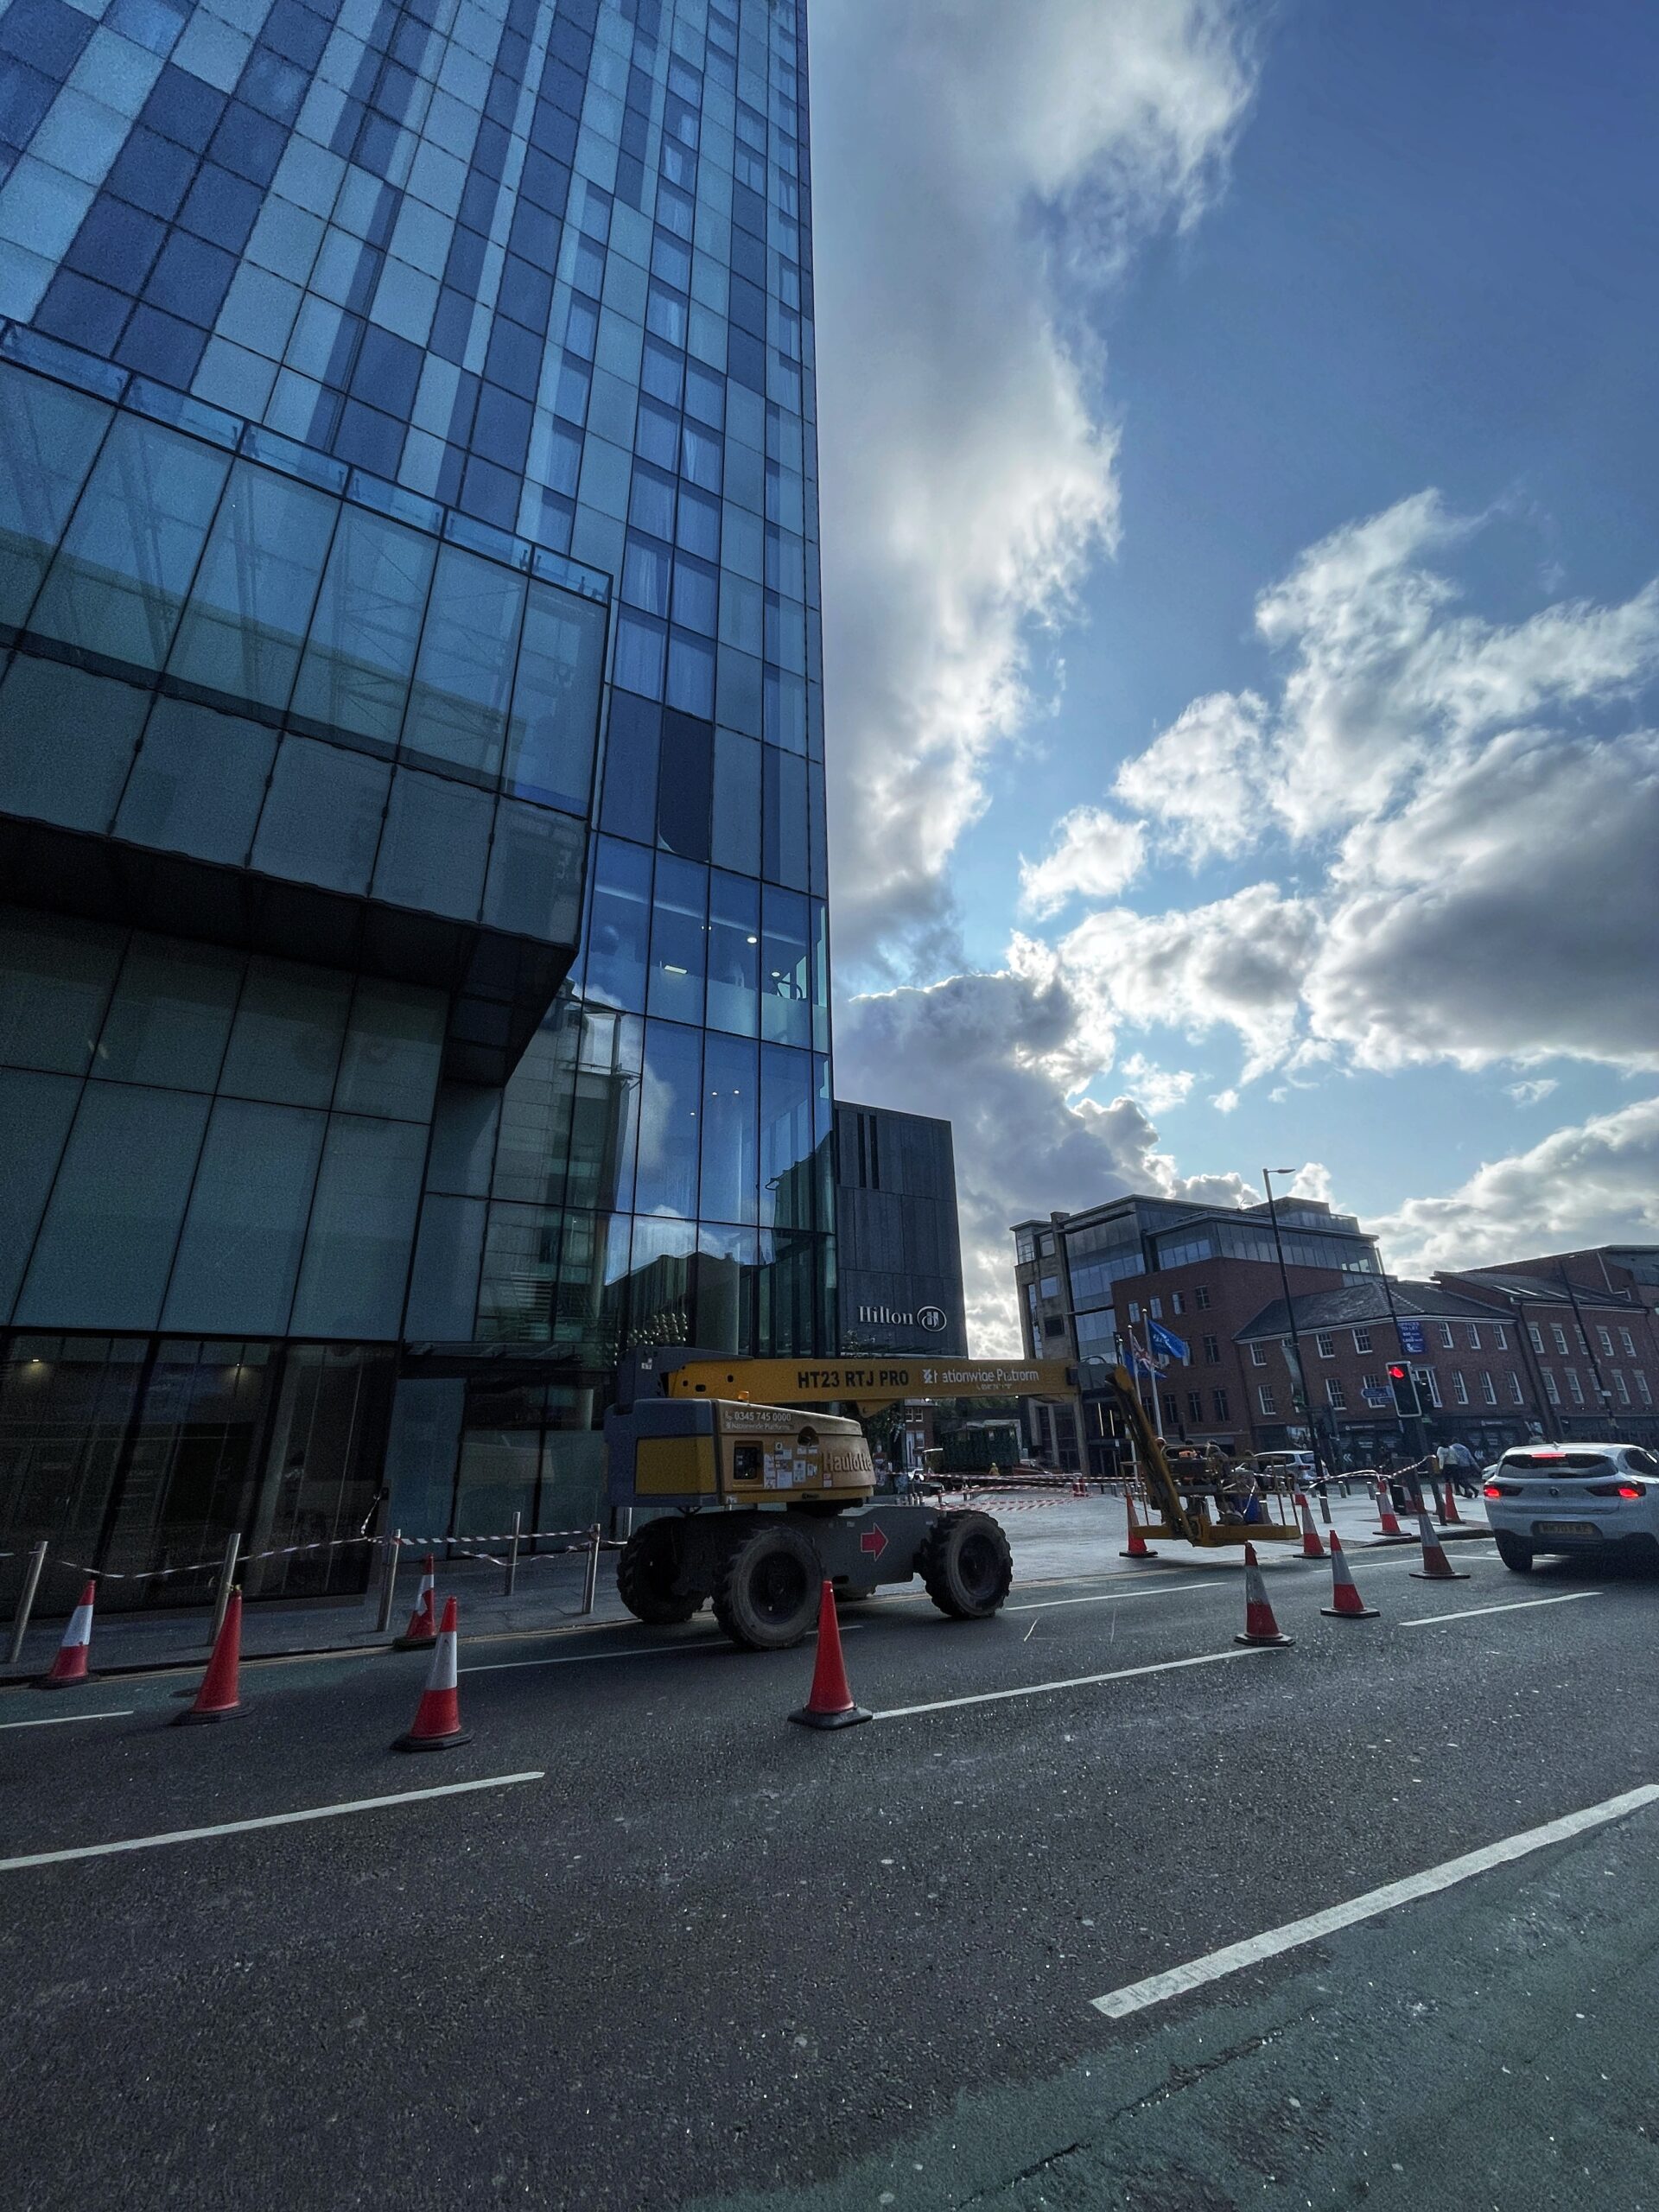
{"type": "Point", "coordinates": [1260, 1626]}
{"type": "Point", "coordinates": [1388, 1519]}
{"type": "Point", "coordinates": [1312, 1547]}
{"type": "Point", "coordinates": [1436, 1567]}
{"type": "Point", "coordinates": [437, 1717]}
{"type": "Point", "coordinates": [829, 1704]}
{"type": "Point", "coordinates": [1450, 1518]}
{"type": "Point", "coordinates": [217, 1698]}
{"type": "Point", "coordinates": [1346, 1604]}
{"type": "Point", "coordinates": [1137, 1547]}
{"type": "Point", "coordinates": [70, 1665]}
{"type": "Point", "coordinates": [422, 1630]}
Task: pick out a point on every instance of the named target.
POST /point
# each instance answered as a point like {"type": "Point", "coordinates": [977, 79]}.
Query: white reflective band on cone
{"type": "Point", "coordinates": [444, 1675]}
{"type": "Point", "coordinates": [79, 1630]}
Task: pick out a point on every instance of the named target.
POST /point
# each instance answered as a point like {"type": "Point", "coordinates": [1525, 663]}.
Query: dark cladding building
{"type": "Point", "coordinates": [414, 984]}
{"type": "Point", "coordinates": [898, 1247]}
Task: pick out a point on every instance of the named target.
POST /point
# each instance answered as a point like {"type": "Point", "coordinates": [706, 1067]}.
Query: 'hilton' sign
{"type": "Point", "coordinates": [932, 1317]}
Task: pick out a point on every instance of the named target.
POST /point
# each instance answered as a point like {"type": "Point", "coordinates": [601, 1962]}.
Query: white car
{"type": "Point", "coordinates": [1574, 1497]}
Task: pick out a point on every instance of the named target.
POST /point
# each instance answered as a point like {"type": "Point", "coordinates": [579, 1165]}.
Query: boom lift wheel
{"type": "Point", "coordinates": [645, 1575]}
{"type": "Point", "coordinates": [966, 1564]}
{"type": "Point", "coordinates": [767, 1590]}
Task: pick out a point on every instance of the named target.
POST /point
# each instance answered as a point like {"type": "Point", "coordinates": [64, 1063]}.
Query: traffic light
{"type": "Point", "coordinates": [1404, 1383]}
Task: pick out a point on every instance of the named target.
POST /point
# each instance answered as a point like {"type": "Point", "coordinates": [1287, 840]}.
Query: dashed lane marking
{"type": "Point", "coordinates": [1107, 1597]}
{"type": "Point", "coordinates": [57, 1719]}
{"type": "Point", "coordinates": [267, 1821]}
{"type": "Point", "coordinates": [1214, 1966]}
{"type": "Point", "coordinates": [1515, 1606]}
{"type": "Point", "coordinates": [1071, 1683]}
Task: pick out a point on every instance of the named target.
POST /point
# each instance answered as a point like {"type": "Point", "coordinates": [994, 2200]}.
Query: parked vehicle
{"type": "Point", "coordinates": [1573, 1498]}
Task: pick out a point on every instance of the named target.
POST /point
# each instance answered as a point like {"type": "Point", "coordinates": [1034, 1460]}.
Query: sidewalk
{"type": "Point", "coordinates": [1054, 1537]}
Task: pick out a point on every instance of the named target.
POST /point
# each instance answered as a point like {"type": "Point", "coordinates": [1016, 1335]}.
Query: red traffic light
{"type": "Point", "coordinates": [1396, 1374]}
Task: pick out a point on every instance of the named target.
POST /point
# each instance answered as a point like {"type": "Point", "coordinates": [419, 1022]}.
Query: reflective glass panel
{"type": "Point", "coordinates": [286, 1039]}
{"type": "Point", "coordinates": [55, 979]}
{"type": "Point", "coordinates": [245, 624]}
{"type": "Point", "coordinates": [457, 705]}
{"type": "Point", "coordinates": [106, 1245]}
{"type": "Point", "coordinates": [357, 1250]}
{"type": "Point", "coordinates": [48, 437]}
{"type": "Point", "coordinates": [240, 1249]}
{"type": "Point", "coordinates": [785, 999]}
{"type": "Point", "coordinates": [322, 816]}
{"type": "Point", "coordinates": [666, 1176]}
{"type": "Point", "coordinates": [66, 742]}
{"type": "Point", "coordinates": [198, 783]}
{"type": "Point", "coordinates": [619, 928]}
{"type": "Point", "coordinates": [785, 1138]}
{"type": "Point", "coordinates": [677, 936]}
{"type": "Point", "coordinates": [555, 717]}
{"type": "Point", "coordinates": [734, 954]}
{"type": "Point", "coordinates": [35, 1111]}
{"type": "Point", "coordinates": [394, 1042]}
{"type": "Point", "coordinates": [355, 673]}
{"type": "Point", "coordinates": [730, 1130]}
{"type": "Point", "coordinates": [170, 1016]}
{"type": "Point", "coordinates": [120, 577]}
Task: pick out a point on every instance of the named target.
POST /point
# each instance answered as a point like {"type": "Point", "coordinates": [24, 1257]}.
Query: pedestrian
{"type": "Point", "coordinates": [1461, 1467]}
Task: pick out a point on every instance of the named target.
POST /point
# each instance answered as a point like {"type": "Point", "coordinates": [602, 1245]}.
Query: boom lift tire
{"type": "Point", "coordinates": [766, 1589]}
{"type": "Point", "coordinates": [645, 1574]}
{"type": "Point", "coordinates": [966, 1565]}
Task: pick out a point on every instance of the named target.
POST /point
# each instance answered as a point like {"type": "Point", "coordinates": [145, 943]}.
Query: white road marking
{"type": "Point", "coordinates": [268, 1820]}
{"type": "Point", "coordinates": [1158, 1988]}
{"type": "Point", "coordinates": [1104, 1598]}
{"type": "Point", "coordinates": [1515, 1606]}
{"type": "Point", "coordinates": [1072, 1683]}
{"type": "Point", "coordinates": [57, 1719]}
{"type": "Point", "coordinates": [708, 1644]}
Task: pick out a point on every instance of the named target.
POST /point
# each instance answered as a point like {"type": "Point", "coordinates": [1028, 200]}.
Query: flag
{"type": "Point", "coordinates": [1165, 1341]}
{"type": "Point", "coordinates": [1143, 1361]}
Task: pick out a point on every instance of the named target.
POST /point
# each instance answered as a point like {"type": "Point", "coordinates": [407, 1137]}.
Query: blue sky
{"type": "Point", "coordinates": [1293, 271]}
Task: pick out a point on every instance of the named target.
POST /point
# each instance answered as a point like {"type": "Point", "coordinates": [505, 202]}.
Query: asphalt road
{"type": "Point", "coordinates": [705, 1960]}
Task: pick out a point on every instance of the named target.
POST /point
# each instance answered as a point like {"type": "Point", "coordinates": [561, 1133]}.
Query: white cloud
{"type": "Point", "coordinates": [1094, 856]}
{"type": "Point", "coordinates": [1531, 1093]}
{"type": "Point", "coordinates": [1157, 1088]}
{"type": "Point", "coordinates": [1204, 775]}
{"type": "Point", "coordinates": [1592, 1183]}
{"type": "Point", "coordinates": [979, 168]}
{"type": "Point", "coordinates": [1483, 833]}
{"type": "Point", "coordinates": [1002, 1056]}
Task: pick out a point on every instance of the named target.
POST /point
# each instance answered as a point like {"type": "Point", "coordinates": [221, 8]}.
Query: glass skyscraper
{"type": "Point", "coordinates": [414, 979]}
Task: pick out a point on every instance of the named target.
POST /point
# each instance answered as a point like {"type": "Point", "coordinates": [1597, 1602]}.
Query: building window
{"type": "Point", "coordinates": [1211, 1351]}
{"type": "Point", "coordinates": [1517, 1396]}
{"type": "Point", "coordinates": [1459, 1387]}
{"type": "Point", "coordinates": [1054, 1325]}
{"type": "Point", "coordinates": [1045, 1245]}
{"type": "Point", "coordinates": [1201, 1299]}
{"type": "Point", "coordinates": [1258, 1356]}
{"type": "Point", "coordinates": [1428, 1382]}
{"type": "Point", "coordinates": [1169, 1408]}
{"type": "Point", "coordinates": [1194, 1405]}
{"type": "Point", "coordinates": [1501, 1335]}
{"type": "Point", "coordinates": [1488, 1389]}
{"type": "Point", "coordinates": [1024, 1248]}
{"type": "Point", "coordinates": [1134, 1313]}
{"type": "Point", "coordinates": [1575, 1388]}
{"type": "Point", "coordinates": [1335, 1394]}
{"type": "Point", "coordinates": [1177, 1303]}
{"type": "Point", "coordinates": [1642, 1389]}
{"type": "Point", "coordinates": [1627, 1344]}
{"type": "Point", "coordinates": [1361, 1340]}
{"type": "Point", "coordinates": [1155, 1307]}
{"type": "Point", "coordinates": [1327, 1345]}
{"type": "Point", "coordinates": [1605, 1338]}
{"type": "Point", "coordinates": [1264, 1398]}
{"type": "Point", "coordinates": [1370, 1383]}
{"type": "Point", "coordinates": [1621, 1385]}
{"type": "Point", "coordinates": [1537, 1336]}
{"type": "Point", "coordinates": [1218, 1399]}
{"type": "Point", "coordinates": [1560, 1335]}
{"type": "Point", "coordinates": [1550, 1391]}
{"type": "Point", "coordinates": [1474, 1336]}
{"type": "Point", "coordinates": [1584, 1341]}
{"type": "Point", "coordinates": [1446, 1337]}
{"type": "Point", "coordinates": [1049, 1285]}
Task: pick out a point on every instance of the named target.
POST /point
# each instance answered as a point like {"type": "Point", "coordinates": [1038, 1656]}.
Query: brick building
{"type": "Point", "coordinates": [1593, 1347]}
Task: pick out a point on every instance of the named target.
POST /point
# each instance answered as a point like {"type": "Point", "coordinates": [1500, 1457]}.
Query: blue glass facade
{"type": "Point", "coordinates": [414, 981]}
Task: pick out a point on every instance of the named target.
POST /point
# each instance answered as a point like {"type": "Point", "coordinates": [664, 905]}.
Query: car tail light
{"type": "Point", "coordinates": [1615, 1490]}
{"type": "Point", "coordinates": [1494, 1490]}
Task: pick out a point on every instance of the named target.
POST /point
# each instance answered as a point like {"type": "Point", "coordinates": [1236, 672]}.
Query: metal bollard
{"type": "Point", "coordinates": [513, 1556]}
{"type": "Point", "coordinates": [26, 1602]}
{"type": "Point", "coordinates": [1325, 1503]}
{"type": "Point", "coordinates": [590, 1580]}
{"type": "Point", "coordinates": [226, 1578]}
{"type": "Point", "coordinates": [388, 1582]}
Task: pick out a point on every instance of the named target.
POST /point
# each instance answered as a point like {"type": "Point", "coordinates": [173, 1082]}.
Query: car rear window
{"type": "Point", "coordinates": [1559, 1463]}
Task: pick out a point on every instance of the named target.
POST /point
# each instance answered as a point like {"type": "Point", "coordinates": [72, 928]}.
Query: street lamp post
{"type": "Point", "coordinates": [1267, 1174]}
{"type": "Point", "coordinates": [1602, 1392]}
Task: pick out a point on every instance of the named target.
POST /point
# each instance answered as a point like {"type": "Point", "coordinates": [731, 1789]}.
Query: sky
{"type": "Point", "coordinates": [1239, 447]}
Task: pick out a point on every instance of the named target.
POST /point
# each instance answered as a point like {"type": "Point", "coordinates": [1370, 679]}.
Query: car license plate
{"type": "Point", "coordinates": [1568, 1529]}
